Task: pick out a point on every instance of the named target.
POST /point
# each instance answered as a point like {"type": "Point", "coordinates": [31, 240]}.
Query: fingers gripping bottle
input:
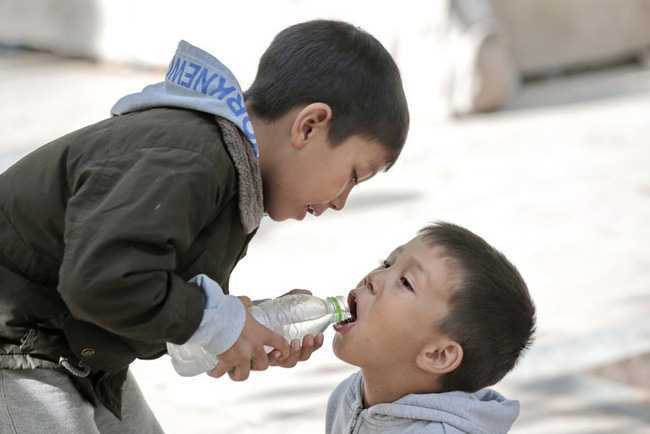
{"type": "Point", "coordinates": [292, 316]}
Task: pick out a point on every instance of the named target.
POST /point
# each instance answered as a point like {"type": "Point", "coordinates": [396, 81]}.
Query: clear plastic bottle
{"type": "Point", "coordinates": [292, 316]}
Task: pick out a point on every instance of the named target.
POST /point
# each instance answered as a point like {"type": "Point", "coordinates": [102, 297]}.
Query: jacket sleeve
{"type": "Point", "coordinates": [223, 318]}
{"type": "Point", "coordinates": [127, 221]}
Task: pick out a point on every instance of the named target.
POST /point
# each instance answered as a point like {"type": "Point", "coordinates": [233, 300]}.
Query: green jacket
{"type": "Point", "coordinates": [100, 231]}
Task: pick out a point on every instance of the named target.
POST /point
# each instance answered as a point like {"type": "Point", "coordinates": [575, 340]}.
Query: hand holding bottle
{"type": "Point", "coordinates": [298, 353]}
{"type": "Point", "coordinates": [294, 316]}
{"type": "Point", "coordinates": [248, 351]}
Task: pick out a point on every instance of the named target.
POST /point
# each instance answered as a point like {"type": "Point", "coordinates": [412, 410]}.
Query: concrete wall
{"type": "Point", "coordinates": [146, 32]}
{"type": "Point", "coordinates": [456, 56]}
{"type": "Point", "coordinates": [547, 35]}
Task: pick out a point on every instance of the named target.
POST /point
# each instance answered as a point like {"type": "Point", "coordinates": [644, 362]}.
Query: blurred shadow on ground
{"type": "Point", "coordinates": [315, 411]}
{"type": "Point", "coordinates": [580, 396]}
{"type": "Point", "coordinates": [633, 371]}
{"type": "Point", "coordinates": [622, 81]}
{"type": "Point", "coordinates": [365, 201]}
{"type": "Point", "coordinates": [358, 202]}
{"type": "Point", "coordinates": [282, 392]}
{"type": "Point", "coordinates": [331, 368]}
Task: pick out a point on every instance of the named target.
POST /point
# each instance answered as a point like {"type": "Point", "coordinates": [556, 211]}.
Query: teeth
{"type": "Point", "coordinates": [344, 322]}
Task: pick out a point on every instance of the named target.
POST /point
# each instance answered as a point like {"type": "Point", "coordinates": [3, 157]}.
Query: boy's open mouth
{"type": "Point", "coordinates": [345, 325]}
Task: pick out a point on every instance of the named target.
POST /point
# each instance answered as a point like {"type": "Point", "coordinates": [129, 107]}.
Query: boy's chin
{"type": "Point", "coordinates": [272, 214]}
{"type": "Point", "coordinates": [278, 214]}
{"type": "Point", "coordinates": [275, 216]}
{"type": "Point", "coordinates": [343, 351]}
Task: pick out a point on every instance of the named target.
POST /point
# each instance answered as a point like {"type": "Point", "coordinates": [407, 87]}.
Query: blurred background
{"type": "Point", "coordinates": [530, 126]}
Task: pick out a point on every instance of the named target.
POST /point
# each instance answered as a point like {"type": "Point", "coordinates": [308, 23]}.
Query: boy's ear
{"type": "Point", "coordinates": [441, 357]}
{"type": "Point", "coordinates": [312, 120]}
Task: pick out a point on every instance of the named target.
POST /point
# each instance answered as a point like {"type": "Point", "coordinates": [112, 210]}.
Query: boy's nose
{"type": "Point", "coordinates": [373, 282]}
{"type": "Point", "coordinates": [368, 284]}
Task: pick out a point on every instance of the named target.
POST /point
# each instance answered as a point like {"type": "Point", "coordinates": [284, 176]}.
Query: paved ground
{"type": "Point", "coordinates": [560, 182]}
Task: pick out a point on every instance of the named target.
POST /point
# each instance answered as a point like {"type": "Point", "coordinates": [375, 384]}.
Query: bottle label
{"type": "Point", "coordinates": [338, 309]}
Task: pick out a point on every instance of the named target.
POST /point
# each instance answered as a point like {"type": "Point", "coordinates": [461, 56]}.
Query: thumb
{"type": "Point", "coordinates": [245, 301]}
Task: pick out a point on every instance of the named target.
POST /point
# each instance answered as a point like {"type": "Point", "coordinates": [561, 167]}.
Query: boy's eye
{"type": "Point", "coordinates": [404, 281]}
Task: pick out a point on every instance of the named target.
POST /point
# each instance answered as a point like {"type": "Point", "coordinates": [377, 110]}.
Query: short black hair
{"type": "Point", "coordinates": [338, 64]}
{"type": "Point", "coordinates": [492, 315]}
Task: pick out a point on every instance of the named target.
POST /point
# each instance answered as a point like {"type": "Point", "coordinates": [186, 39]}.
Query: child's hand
{"type": "Point", "coordinates": [298, 353]}
{"type": "Point", "coordinates": [247, 302]}
{"type": "Point", "coordinates": [248, 351]}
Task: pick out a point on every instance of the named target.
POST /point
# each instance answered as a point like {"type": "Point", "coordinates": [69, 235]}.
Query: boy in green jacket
{"type": "Point", "coordinates": [102, 229]}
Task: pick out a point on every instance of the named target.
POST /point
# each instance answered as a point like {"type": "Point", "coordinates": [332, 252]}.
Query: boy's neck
{"type": "Point", "coordinates": [381, 387]}
{"type": "Point", "coordinates": [270, 135]}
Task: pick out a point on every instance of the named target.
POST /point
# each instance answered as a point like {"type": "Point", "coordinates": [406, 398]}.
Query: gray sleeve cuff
{"type": "Point", "coordinates": [223, 318]}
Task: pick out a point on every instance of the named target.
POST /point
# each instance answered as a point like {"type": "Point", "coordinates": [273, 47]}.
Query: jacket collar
{"type": "Point", "coordinates": [251, 201]}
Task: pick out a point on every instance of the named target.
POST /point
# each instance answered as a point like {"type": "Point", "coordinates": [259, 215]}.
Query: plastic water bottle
{"type": "Point", "coordinates": [292, 316]}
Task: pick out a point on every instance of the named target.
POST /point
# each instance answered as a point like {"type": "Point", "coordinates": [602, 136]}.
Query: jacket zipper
{"type": "Point", "coordinates": [355, 420]}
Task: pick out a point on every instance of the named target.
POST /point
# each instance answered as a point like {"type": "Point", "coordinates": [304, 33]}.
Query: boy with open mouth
{"type": "Point", "coordinates": [442, 318]}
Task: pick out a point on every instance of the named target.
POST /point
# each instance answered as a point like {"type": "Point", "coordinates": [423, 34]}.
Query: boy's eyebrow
{"type": "Point", "coordinates": [372, 172]}
{"type": "Point", "coordinates": [374, 169]}
{"type": "Point", "coordinates": [365, 178]}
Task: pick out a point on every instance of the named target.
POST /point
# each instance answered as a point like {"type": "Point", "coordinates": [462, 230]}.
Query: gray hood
{"type": "Point", "coordinates": [196, 80]}
{"type": "Point", "coordinates": [483, 412]}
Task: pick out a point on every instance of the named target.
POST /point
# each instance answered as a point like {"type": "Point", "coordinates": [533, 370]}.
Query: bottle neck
{"type": "Point", "coordinates": [339, 307]}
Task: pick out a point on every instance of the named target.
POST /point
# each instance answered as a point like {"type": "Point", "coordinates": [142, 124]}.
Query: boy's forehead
{"type": "Point", "coordinates": [432, 261]}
